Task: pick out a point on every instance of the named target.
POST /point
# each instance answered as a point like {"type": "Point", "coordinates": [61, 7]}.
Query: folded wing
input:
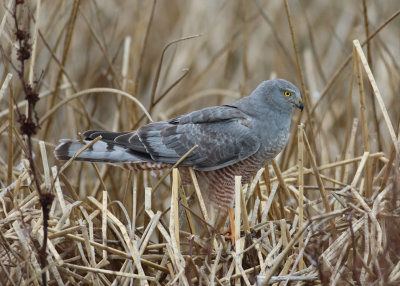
{"type": "Point", "coordinates": [221, 134]}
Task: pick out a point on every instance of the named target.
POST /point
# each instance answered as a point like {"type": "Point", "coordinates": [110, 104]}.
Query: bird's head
{"type": "Point", "coordinates": [281, 94]}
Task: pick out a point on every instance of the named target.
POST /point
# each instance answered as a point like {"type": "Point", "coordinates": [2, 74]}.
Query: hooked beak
{"type": "Point", "coordinates": [300, 104]}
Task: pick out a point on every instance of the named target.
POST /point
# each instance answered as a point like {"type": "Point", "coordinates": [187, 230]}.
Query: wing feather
{"type": "Point", "coordinates": [221, 133]}
{"type": "Point", "coordinates": [221, 137]}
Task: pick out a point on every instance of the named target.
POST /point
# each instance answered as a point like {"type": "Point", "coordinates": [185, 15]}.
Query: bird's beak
{"type": "Point", "coordinates": [300, 104]}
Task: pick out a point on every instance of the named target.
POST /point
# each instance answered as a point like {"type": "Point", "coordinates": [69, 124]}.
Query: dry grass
{"type": "Point", "coordinates": [326, 212]}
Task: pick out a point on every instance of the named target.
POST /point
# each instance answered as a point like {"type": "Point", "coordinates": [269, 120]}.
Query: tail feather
{"type": "Point", "coordinates": [99, 152]}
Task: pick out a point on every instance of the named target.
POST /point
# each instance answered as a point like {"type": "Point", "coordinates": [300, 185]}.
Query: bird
{"type": "Point", "coordinates": [234, 139]}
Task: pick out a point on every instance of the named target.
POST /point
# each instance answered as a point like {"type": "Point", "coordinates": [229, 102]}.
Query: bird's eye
{"type": "Point", "coordinates": [287, 93]}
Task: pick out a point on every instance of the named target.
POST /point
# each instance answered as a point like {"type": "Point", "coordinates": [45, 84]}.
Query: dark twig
{"type": "Point", "coordinates": [29, 122]}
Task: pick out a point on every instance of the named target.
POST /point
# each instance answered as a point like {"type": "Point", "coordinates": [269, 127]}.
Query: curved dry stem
{"type": "Point", "coordinates": [94, 90]}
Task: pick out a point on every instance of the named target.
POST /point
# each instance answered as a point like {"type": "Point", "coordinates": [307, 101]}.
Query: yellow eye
{"type": "Point", "coordinates": [287, 93]}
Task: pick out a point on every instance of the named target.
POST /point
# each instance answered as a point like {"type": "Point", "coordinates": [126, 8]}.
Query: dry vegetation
{"type": "Point", "coordinates": [327, 212]}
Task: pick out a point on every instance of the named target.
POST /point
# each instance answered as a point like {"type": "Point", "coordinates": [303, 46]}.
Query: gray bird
{"type": "Point", "coordinates": [233, 140]}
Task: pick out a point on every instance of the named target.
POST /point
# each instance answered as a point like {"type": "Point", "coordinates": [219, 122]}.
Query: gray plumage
{"type": "Point", "coordinates": [255, 125]}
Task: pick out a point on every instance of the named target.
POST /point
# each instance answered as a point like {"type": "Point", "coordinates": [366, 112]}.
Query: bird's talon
{"type": "Point", "coordinates": [231, 228]}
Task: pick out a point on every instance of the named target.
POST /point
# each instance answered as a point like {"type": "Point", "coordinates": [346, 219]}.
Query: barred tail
{"type": "Point", "coordinates": [101, 151]}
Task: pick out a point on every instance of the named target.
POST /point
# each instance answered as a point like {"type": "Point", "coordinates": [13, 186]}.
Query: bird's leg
{"type": "Point", "coordinates": [231, 228]}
